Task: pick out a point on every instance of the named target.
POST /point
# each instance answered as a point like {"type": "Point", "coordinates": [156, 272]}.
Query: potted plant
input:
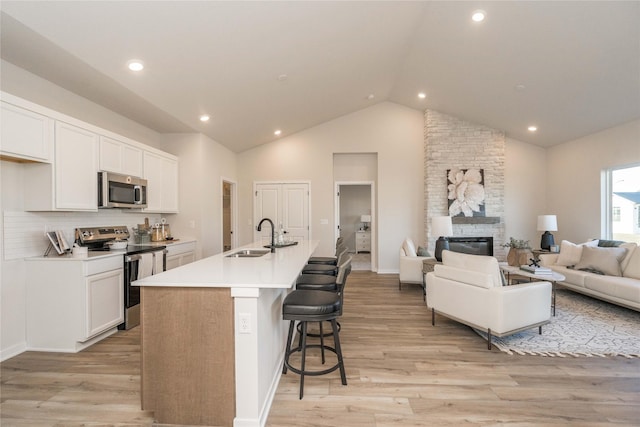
{"type": "Point", "coordinates": [519, 252]}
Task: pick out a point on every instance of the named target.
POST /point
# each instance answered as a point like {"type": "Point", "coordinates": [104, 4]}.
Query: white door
{"type": "Point", "coordinates": [295, 212]}
{"type": "Point", "coordinates": [287, 206]}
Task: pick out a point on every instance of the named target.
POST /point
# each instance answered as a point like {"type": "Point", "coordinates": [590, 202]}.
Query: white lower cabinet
{"type": "Point", "coordinates": [72, 302]}
{"type": "Point", "coordinates": [104, 301]}
{"type": "Point", "coordinates": [180, 254]}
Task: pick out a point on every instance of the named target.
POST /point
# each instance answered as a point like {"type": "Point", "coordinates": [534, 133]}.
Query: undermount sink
{"type": "Point", "coordinates": [248, 253]}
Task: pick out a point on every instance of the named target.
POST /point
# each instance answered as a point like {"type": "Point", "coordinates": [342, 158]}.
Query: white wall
{"type": "Point", "coordinates": [203, 165]}
{"type": "Point", "coordinates": [574, 173]}
{"type": "Point", "coordinates": [525, 190]}
{"type": "Point", "coordinates": [19, 82]}
{"type": "Point", "coordinates": [392, 131]}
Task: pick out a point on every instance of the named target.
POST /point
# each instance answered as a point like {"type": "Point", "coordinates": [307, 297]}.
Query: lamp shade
{"type": "Point", "coordinates": [365, 218]}
{"type": "Point", "coordinates": [441, 226]}
{"type": "Point", "coordinates": [547, 223]}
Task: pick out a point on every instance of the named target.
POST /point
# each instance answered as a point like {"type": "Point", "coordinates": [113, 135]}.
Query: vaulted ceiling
{"type": "Point", "coordinates": [569, 68]}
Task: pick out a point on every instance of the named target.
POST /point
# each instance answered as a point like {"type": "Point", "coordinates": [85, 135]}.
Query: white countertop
{"type": "Point", "coordinates": [273, 270]}
{"type": "Point", "coordinates": [53, 256]}
{"type": "Point", "coordinates": [69, 257]}
{"type": "Point", "coordinates": [165, 242]}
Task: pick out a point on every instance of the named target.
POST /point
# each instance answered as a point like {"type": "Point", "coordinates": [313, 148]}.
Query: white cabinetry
{"type": "Point", "coordinates": [70, 184]}
{"type": "Point", "coordinates": [120, 157]}
{"type": "Point", "coordinates": [180, 254]}
{"type": "Point", "coordinates": [76, 168]}
{"type": "Point", "coordinates": [161, 174]}
{"type": "Point", "coordinates": [363, 241]}
{"type": "Point", "coordinates": [73, 303]}
{"type": "Point", "coordinates": [25, 135]}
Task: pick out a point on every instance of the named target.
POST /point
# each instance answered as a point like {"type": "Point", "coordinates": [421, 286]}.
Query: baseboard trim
{"type": "Point", "coordinates": [13, 351]}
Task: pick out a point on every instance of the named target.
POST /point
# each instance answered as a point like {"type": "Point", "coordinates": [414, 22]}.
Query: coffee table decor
{"type": "Point", "coordinates": [583, 326]}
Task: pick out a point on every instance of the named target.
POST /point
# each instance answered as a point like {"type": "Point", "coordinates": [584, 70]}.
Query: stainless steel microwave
{"type": "Point", "coordinates": [121, 191]}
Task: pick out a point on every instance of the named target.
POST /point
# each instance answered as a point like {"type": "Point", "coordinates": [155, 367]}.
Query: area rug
{"type": "Point", "coordinates": [583, 326]}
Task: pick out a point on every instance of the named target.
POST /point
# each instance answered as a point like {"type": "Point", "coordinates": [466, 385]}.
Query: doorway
{"type": "Point", "coordinates": [355, 219]}
{"type": "Point", "coordinates": [228, 215]}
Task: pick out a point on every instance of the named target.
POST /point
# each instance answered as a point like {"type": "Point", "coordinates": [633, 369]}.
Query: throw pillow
{"type": "Point", "coordinates": [570, 253]}
{"type": "Point", "coordinates": [632, 268]}
{"type": "Point", "coordinates": [609, 243]}
{"type": "Point", "coordinates": [409, 247]}
{"type": "Point", "coordinates": [423, 251]}
{"type": "Point", "coordinates": [605, 260]}
{"type": "Point", "coordinates": [631, 249]}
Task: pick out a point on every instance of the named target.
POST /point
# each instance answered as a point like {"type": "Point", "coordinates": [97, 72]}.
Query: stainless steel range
{"type": "Point", "coordinates": [139, 261]}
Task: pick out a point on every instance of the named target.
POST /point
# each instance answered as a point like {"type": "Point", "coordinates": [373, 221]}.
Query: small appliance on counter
{"type": "Point", "coordinates": [161, 232]}
{"type": "Point", "coordinates": [139, 261]}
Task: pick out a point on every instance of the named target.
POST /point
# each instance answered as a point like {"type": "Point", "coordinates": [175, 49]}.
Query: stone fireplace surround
{"type": "Point", "coordinates": [450, 142]}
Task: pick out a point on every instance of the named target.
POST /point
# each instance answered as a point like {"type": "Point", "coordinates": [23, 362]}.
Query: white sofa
{"type": "Point", "coordinates": [469, 289]}
{"type": "Point", "coordinates": [621, 283]}
{"type": "Point", "coordinates": [410, 264]}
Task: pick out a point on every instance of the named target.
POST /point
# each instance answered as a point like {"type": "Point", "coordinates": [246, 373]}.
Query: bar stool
{"type": "Point", "coordinates": [329, 260]}
{"type": "Point", "coordinates": [322, 282]}
{"type": "Point", "coordinates": [331, 270]}
{"type": "Point", "coordinates": [312, 306]}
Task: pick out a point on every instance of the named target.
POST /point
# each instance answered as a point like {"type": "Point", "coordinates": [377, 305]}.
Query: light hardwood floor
{"type": "Point", "coordinates": [401, 372]}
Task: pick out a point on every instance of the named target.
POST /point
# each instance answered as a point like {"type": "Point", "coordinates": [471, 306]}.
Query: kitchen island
{"type": "Point", "coordinates": [213, 338]}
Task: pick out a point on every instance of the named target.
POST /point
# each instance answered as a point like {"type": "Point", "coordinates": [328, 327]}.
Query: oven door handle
{"type": "Point", "coordinates": [131, 258]}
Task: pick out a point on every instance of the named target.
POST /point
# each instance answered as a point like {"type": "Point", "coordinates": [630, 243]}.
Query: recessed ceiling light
{"type": "Point", "coordinates": [283, 77]}
{"type": "Point", "coordinates": [277, 133]}
{"type": "Point", "coordinates": [204, 118]}
{"type": "Point", "coordinates": [370, 96]}
{"type": "Point", "coordinates": [532, 128]}
{"type": "Point", "coordinates": [519, 87]}
{"type": "Point", "coordinates": [422, 95]}
{"type": "Point", "coordinates": [478, 15]}
{"type": "Point", "coordinates": [135, 65]}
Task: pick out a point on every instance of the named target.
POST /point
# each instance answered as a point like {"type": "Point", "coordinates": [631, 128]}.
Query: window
{"type": "Point", "coordinates": [616, 214]}
{"type": "Point", "coordinates": [622, 203]}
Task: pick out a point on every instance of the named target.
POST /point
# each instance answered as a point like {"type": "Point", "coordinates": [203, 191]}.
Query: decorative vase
{"type": "Point", "coordinates": [517, 257]}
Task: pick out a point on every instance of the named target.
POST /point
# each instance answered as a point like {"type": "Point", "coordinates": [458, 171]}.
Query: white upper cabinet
{"type": "Point", "coordinates": [161, 174]}
{"type": "Point", "coordinates": [70, 183]}
{"type": "Point", "coordinates": [62, 157]}
{"type": "Point", "coordinates": [120, 157]}
{"type": "Point", "coordinates": [26, 135]}
{"type": "Point", "coordinates": [76, 168]}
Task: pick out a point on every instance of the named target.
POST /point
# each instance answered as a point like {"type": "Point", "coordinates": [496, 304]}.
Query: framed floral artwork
{"type": "Point", "coordinates": [465, 192]}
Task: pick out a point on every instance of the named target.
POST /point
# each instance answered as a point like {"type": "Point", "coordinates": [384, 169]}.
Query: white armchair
{"type": "Point", "coordinates": [410, 264]}
{"type": "Point", "coordinates": [469, 289]}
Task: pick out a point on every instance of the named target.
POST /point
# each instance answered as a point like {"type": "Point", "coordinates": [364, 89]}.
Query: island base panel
{"type": "Point", "coordinates": [188, 360]}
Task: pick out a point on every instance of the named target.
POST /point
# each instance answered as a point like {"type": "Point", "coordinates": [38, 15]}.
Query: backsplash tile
{"type": "Point", "coordinates": [23, 232]}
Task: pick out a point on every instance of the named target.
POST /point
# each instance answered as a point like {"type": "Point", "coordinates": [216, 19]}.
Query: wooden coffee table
{"type": "Point", "coordinates": [513, 272]}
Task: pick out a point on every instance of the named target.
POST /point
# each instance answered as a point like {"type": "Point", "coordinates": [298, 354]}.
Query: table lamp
{"type": "Point", "coordinates": [547, 223]}
{"type": "Point", "coordinates": [365, 219]}
{"type": "Point", "coordinates": [442, 227]}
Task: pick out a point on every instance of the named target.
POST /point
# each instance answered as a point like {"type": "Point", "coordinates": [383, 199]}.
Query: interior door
{"type": "Point", "coordinates": [295, 213]}
{"type": "Point", "coordinates": [287, 205]}
{"type": "Point", "coordinates": [268, 204]}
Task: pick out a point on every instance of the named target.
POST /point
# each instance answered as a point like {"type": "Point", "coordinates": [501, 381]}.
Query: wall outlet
{"type": "Point", "coordinates": [192, 223]}
{"type": "Point", "coordinates": [244, 323]}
